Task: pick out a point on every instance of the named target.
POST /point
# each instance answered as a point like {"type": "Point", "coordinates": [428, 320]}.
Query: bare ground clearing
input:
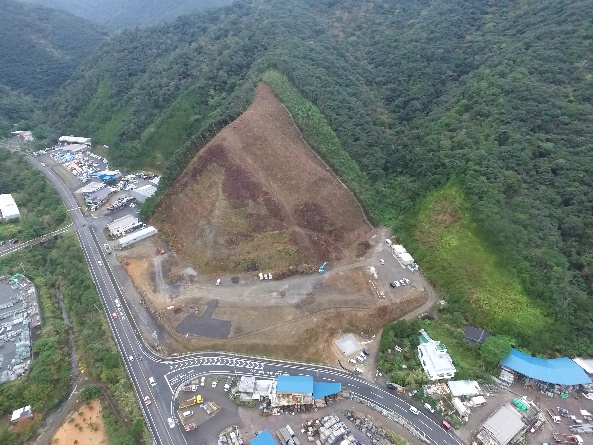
{"type": "Point", "coordinates": [257, 198]}
{"type": "Point", "coordinates": [84, 425]}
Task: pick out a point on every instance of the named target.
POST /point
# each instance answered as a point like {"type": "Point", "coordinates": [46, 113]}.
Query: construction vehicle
{"type": "Point", "coordinates": [322, 268]}
{"type": "Point", "coordinates": [568, 439]}
{"type": "Point", "coordinates": [190, 402]}
{"type": "Point", "coordinates": [555, 418]}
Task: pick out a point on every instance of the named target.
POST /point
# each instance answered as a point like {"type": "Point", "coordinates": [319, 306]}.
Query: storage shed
{"type": "Point", "coordinates": [8, 208]}
{"type": "Point", "coordinates": [406, 259]}
{"type": "Point", "coordinates": [136, 236]}
{"type": "Point", "coordinates": [143, 193]}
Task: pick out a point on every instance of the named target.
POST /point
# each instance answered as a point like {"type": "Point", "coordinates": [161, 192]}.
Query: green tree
{"type": "Point", "coordinates": [495, 349]}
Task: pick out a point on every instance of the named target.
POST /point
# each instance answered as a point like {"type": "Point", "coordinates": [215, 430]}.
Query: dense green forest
{"type": "Point", "coordinates": [118, 14]}
{"type": "Point", "coordinates": [58, 265]}
{"type": "Point", "coordinates": [40, 206]}
{"type": "Point", "coordinates": [42, 47]}
{"type": "Point", "coordinates": [477, 110]}
{"type": "Point", "coordinates": [16, 110]}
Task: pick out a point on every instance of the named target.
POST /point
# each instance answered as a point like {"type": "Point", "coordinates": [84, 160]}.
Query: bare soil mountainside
{"type": "Point", "coordinates": [257, 198]}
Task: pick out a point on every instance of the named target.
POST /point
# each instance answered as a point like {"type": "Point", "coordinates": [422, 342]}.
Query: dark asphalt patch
{"type": "Point", "coordinates": [235, 280]}
{"type": "Point", "coordinates": [204, 325]}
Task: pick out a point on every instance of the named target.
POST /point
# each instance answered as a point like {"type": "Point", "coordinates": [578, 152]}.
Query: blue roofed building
{"type": "Point", "coordinates": [288, 384]}
{"type": "Point", "coordinates": [301, 390]}
{"type": "Point", "coordinates": [263, 438]}
{"type": "Point", "coordinates": [324, 389]}
{"type": "Point", "coordinates": [558, 371]}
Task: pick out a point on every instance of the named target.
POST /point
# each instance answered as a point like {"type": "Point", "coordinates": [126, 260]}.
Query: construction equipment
{"type": "Point", "coordinates": [190, 402]}
{"type": "Point", "coordinates": [555, 418]}
{"type": "Point", "coordinates": [568, 439]}
{"type": "Point", "coordinates": [322, 268]}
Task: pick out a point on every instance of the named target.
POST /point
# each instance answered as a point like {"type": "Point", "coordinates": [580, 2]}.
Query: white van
{"type": "Point", "coordinates": [152, 381]}
{"type": "Point", "coordinates": [429, 407]}
{"type": "Point", "coordinates": [187, 413]}
{"type": "Point", "coordinates": [414, 410]}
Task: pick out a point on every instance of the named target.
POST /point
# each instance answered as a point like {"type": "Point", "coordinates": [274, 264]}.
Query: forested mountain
{"type": "Point", "coordinates": [42, 47]}
{"type": "Point", "coordinates": [490, 99]}
{"type": "Point", "coordinates": [118, 14]}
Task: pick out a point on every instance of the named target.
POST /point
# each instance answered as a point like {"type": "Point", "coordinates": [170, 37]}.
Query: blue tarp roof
{"type": "Point", "coordinates": [295, 384]}
{"type": "Point", "coordinates": [322, 389]}
{"type": "Point", "coordinates": [263, 438]}
{"type": "Point", "coordinates": [560, 371]}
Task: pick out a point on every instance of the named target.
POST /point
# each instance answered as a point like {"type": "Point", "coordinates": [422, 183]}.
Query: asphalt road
{"type": "Point", "coordinates": [141, 363]}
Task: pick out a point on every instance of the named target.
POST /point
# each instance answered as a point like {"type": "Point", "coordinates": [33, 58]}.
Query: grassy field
{"type": "Point", "coordinates": [475, 282]}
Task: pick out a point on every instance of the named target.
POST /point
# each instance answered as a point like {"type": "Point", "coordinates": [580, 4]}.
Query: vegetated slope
{"type": "Point", "coordinates": [15, 109]}
{"type": "Point", "coordinates": [118, 14]}
{"type": "Point", "coordinates": [496, 97]}
{"type": "Point", "coordinates": [42, 47]}
{"type": "Point", "coordinates": [257, 198]}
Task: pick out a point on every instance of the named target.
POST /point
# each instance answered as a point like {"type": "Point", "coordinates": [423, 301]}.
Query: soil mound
{"type": "Point", "coordinates": [257, 198]}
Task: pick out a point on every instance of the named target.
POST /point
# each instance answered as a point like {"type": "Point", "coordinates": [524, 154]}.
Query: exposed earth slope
{"type": "Point", "coordinates": [257, 198]}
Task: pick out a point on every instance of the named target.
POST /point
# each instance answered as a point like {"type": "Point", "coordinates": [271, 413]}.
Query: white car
{"type": "Point", "coordinates": [132, 205]}
{"type": "Point", "coordinates": [407, 281]}
{"type": "Point", "coordinates": [214, 383]}
{"type": "Point", "coordinates": [171, 422]}
{"type": "Point", "coordinates": [203, 381]}
{"type": "Point", "coordinates": [265, 276]}
{"type": "Point", "coordinates": [382, 261]}
{"type": "Point", "coordinates": [100, 263]}
{"type": "Point", "coordinates": [131, 357]}
{"type": "Point", "coordinates": [269, 276]}
{"type": "Point", "coordinates": [396, 283]}
{"type": "Point", "coordinates": [402, 282]}
{"type": "Point", "coordinates": [351, 360]}
{"type": "Point", "coordinates": [261, 276]}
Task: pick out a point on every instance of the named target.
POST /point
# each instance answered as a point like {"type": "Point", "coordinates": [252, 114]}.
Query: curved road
{"type": "Point", "coordinates": [141, 363]}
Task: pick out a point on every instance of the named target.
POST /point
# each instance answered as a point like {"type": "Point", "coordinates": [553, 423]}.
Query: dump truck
{"type": "Point", "coordinates": [190, 402]}
{"type": "Point", "coordinates": [555, 418]}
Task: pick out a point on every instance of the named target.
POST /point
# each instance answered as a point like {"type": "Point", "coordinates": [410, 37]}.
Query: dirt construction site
{"type": "Point", "coordinates": [257, 200]}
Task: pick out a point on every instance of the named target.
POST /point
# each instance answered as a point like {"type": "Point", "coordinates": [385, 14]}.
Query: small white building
{"type": "Point", "coordinates": [406, 259]}
{"type": "Point", "coordinates": [461, 388]}
{"type": "Point", "coordinates": [398, 249]}
{"type": "Point", "coordinates": [74, 140]}
{"type": "Point", "coordinates": [434, 358]}
{"type": "Point", "coordinates": [21, 413]}
{"type": "Point", "coordinates": [136, 236]}
{"type": "Point", "coordinates": [143, 193]}
{"type": "Point", "coordinates": [8, 208]}
{"type": "Point", "coordinates": [123, 225]}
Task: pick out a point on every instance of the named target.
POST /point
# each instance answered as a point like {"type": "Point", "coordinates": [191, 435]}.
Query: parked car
{"type": "Point", "coordinates": [351, 360]}
{"type": "Point", "coordinates": [392, 284]}
{"type": "Point", "coordinates": [214, 383]}
{"type": "Point", "coordinates": [365, 352]}
{"type": "Point", "coordinates": [203, 381]}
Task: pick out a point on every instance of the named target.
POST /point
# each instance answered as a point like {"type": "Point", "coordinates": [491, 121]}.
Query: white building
{"type": "Point", "coordinates": [123, 225]}
{"type": "Point", "coordinates": [406, 259]}
{"type": "Point", "coordinates": [136, 236]}
{"type": "Point", "coordinates": [143, 193]}
{"type": "Point", "coordinates": [8, 208]}
{"type": "Point", "coordinates": [74, 140]}
{"type": "Point", "coordinates": [434, 358]}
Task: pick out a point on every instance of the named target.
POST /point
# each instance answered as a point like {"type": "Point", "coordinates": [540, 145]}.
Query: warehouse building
{"type": "Point", "coordinates": [63, 140]}
{"type": "Point", "coordinates": [263, 438]}
{"type": "Point", "coordinates": [123, 225]}
{"type": "Point", "coordinates": [134, 237]}
{"type": "Point", "coordinates": [291, 390]}
{"type": "Point", "coordinates": [8, 208]}
{"type": "Point", "coordinates": [143, 193]}
{"type": "Point", "coordinates": [505, 426]}
{"type": "Point", "coordinates": [434, 358]}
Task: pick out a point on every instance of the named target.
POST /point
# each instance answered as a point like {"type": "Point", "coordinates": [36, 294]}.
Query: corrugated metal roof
{"type": "Point", "coordinates": [323, 389]}
{"type": "Point", "coordinates": [504, 424]}
{"type": "Point", "coordinates": [560, 371]}
{"type": "Point", "coordinates": [295, 384]}
{"type": "Point", "coordinates": [263, 438]}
